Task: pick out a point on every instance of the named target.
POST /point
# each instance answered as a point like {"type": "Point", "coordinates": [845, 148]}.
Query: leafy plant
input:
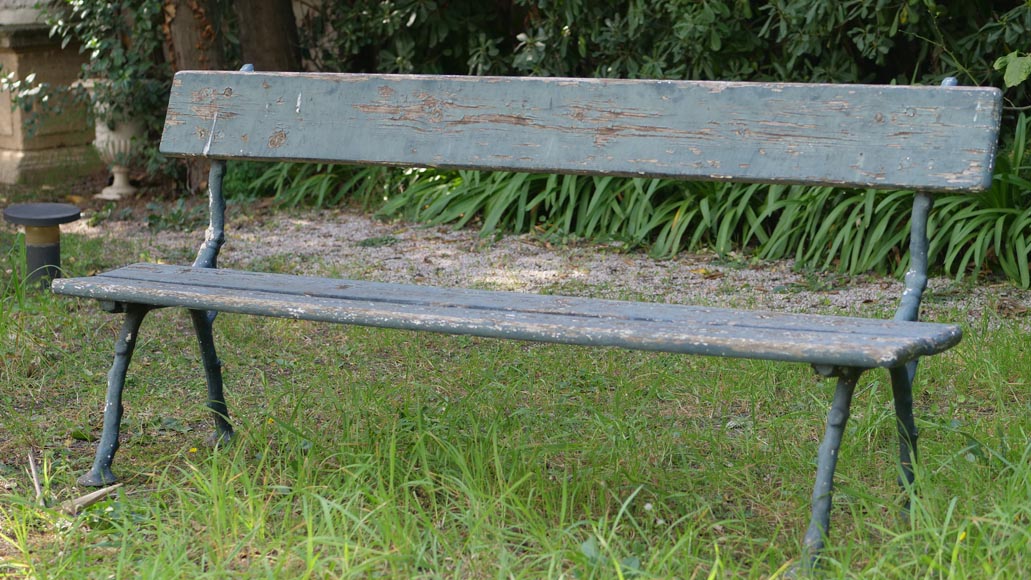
{"type": "Point", "coordinates": [126, 75]}
{"type": "Point", "coordinates": [993, 228]}
{"type": "Point", "coordinates": [178, 216]}
{"type": "Point", "coordinates": [323, 185]}
{"type": "Point", "coordinates": [407, 36]}
{"type": "Point", "coordinates": [240, 179]}
{"type": "Point", "coordinates": [1016, 67]}
{"type": "Point", "coordinates": [723, 216]}
{"type": "Point", "coordinates": [550, 205]}
{"type": "Point", "coordinates": [800, 40]}
{"type": "Point", "coordinates": [830, 228]}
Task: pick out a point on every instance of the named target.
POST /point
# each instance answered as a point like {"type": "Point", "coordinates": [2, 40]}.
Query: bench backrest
{"type": "Point", "coordinates": [927, 138]}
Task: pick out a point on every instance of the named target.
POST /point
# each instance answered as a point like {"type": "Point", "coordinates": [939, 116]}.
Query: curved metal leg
{"type": "Point", "coordinates": [819, 524]}
{"type": "Point", "coordinates": [202, 323]}
{"type": "Point", "coordinates": [101, 473]}
{"type": "Point", "coordinates": [902, 389]}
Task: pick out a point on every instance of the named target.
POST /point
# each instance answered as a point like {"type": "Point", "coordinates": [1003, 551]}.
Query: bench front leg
{"type": "Point", "coordinates": [101, 473]}
{"type": "Point", "coordinates": [202, 325]}
{"type": "Point", "coordinates": [819, 523]}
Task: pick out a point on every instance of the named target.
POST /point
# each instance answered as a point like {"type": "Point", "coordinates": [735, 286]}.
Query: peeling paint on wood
{"type": "Point", "coordinates": [764, 132]}
{"type": "Point", "coordinates": [277, 139]}
{"type": "Point", "coordinates": [827, 340]}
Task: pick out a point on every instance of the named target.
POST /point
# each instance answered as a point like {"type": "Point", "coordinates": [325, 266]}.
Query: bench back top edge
{"type": "Point", "coordinates": [890, 137]}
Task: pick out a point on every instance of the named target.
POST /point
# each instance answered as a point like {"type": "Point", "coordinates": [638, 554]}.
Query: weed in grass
{"type": "Point", "coordinates": [178, 216]}
{"type": "Point", "coordinates": [109, 212]}
{"type": "Point", "coordinates": [378, 242]}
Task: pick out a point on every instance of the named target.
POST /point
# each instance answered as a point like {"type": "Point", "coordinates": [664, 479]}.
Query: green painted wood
{"type": "Point", "coordinates": [931, 138]}
{"type": "Point", "coordinates": [821, 340]}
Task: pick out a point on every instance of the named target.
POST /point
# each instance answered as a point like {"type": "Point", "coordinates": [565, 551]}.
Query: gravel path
{"type": "Point", "coordinates": [349, 244]}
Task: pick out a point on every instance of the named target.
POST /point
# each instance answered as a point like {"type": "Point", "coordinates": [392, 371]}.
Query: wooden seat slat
{"type": "Point", "coordinates": [808, 338]}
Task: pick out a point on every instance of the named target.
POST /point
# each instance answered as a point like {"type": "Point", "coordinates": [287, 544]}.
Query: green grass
{"type": "Point", "coordinates": [365, 453]}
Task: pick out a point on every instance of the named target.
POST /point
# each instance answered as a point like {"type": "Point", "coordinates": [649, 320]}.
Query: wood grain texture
{"type": "Point", "coordinates": [823, 340]}
{"type": "Point", "coordinates": [930, 138]}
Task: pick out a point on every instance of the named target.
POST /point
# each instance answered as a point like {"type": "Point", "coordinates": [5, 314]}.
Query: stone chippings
{"type": "Point", "coordinates": [349, 244]}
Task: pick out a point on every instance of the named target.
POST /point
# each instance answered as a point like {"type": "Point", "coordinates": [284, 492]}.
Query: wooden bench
{"type": "Point", "coordinates": [923, 138]}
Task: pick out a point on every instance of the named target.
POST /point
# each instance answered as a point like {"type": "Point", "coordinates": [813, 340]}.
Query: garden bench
{"type": "Point", "coordinates": [927, 139]}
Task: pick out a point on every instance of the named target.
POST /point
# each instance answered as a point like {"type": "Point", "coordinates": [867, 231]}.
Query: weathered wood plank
{"type": "Point", "coordinates": [825, 340]}
{"type": "Point", "coordinates": [527, 303]}
{"type": "Point", "coordinates": [931, 138]}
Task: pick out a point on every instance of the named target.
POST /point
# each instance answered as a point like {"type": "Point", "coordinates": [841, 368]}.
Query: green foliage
{"type": "Point", "coordinates": [974, 55]}
{"type": "Point", "coordinates": [830, 228]}
{"type": "Point", "coordinates": [178, 216]}
{"type": "Point", "coordinates": [551, 205]}
{"type": "Point", "coordinates": [406, 36]}
{"type": "Point", "coordinates": [554, 206]}
{"type": "Point", "coordinates": [722, 216]}
{"type": "Point", "coordinates": [322, 185]}
{"type": "Point", "coordinates": [991, 229]}
{"type": "Point", "coordinates": [239, 180]}
{"type": "Point", "coordinates": [902, 41]}
{"type": "Point", "coordinates": [856, 232]}
{"type": "Point", "coordinates": [1016, 67]}
{"type": "Point", "coordinates": [123, 40]}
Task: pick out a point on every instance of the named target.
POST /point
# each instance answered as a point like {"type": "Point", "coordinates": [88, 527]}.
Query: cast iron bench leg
{"type": "Point", "coordinates": [902, 389]}
{"type": "Point", "coordinates": [819, 524]}
{"type": "Point", "coordinates": [202, 322]}
{"type": "Point", "coordinates": [101, 473]}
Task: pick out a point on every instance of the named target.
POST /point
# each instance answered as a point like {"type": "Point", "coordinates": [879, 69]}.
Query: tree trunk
{"type": "Point", "coordinates": [268, 34]}
{"type": "Point", "coordinates": [193, 35]}
{"type": "Point", "coordinates": [193, 42]}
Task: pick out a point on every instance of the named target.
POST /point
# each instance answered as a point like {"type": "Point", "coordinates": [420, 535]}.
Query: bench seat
{"type": "Point", "coordinates": [806, 338]}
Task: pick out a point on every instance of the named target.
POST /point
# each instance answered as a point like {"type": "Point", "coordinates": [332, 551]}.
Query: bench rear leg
{"type": "Point", "coordinates": [101, 473]}
{"type": "Point", "coordinates": [202, 325]}
{"type": "Point", "coordinates": [819, 523]}
{"type": "Point", "coordinates": [902, 390]}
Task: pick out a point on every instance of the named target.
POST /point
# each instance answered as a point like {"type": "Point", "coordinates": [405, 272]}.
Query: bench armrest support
{"type": "Point", "coordinates": [916, 275]}
{"type": "Point", "coordinates": [207, 256]}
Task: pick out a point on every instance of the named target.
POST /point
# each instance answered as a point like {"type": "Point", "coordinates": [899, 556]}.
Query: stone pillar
{"type": "Point", "coordinates": [19, 12]}
{"type": "Point", "coordinates": [59, 144]}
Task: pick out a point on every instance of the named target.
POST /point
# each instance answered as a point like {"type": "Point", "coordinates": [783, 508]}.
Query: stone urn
{"type": "Point", "coordinates": [117, 146]}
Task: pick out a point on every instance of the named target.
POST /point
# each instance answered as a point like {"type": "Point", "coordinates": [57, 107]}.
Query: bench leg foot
{"type": "Point", "coordinates": [202, 325]}
{"type": "Point", "coordinates": [819, 524]}
{"type": "Point", "coordinates": [902, 391]}
{"type": "Point", "coordinates": [101, 473]}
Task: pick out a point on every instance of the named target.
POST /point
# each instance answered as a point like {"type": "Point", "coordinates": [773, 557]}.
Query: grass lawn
{"type": "Point", "coordinates": [375, 453]}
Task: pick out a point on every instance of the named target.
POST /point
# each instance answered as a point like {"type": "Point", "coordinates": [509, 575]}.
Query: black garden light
{"type": "Point", "coordinates": [42, 235]}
